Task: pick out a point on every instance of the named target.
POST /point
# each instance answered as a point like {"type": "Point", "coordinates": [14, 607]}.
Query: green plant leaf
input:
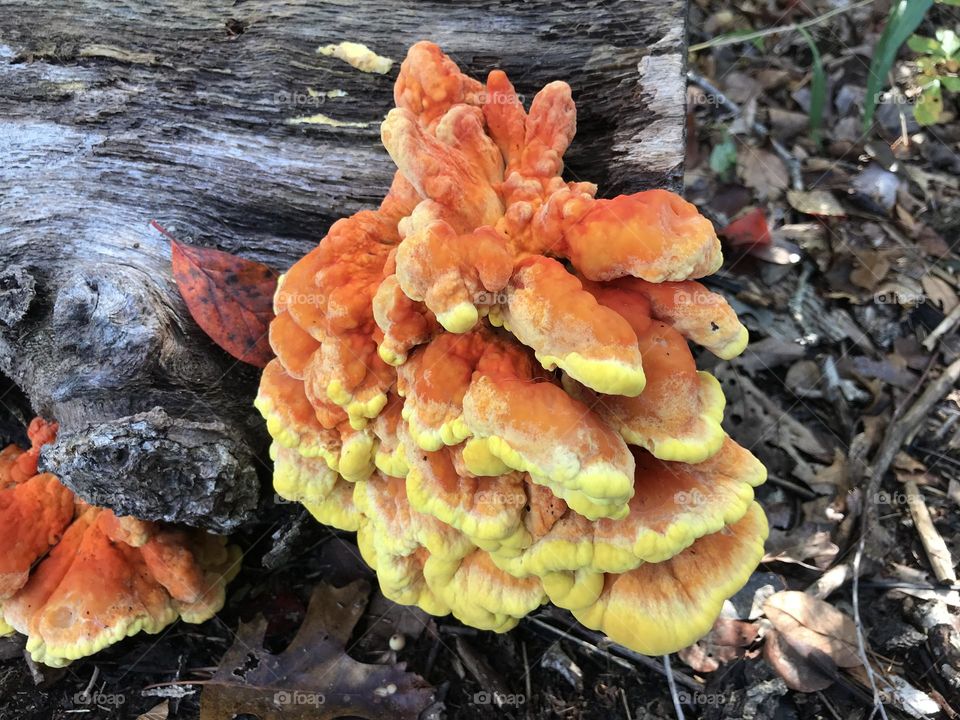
{"type": "Point", "coordinates": [929, 104]}
{"type": "Point", "coordinates": [949, 42]}
{"type": "Point", "coordinates": [950, 82]}
{"type": "Point", "coordinates": [923, 45]}
{"type": "Point", "coordinates": [905, 17]}
{"type": "Point", "coordinates": [723, 157]}
{"type": "Point", "coordinates": [818, 88]}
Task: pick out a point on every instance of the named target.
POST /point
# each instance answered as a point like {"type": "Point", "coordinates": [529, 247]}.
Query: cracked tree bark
{"type": "Point", "coordinates": [114, 114]}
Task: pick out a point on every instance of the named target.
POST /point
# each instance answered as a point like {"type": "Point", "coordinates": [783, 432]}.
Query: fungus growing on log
{"type": "Point", "coordinates": [75, 578]}
{"type": "Point", "coordinates": [488, 377]}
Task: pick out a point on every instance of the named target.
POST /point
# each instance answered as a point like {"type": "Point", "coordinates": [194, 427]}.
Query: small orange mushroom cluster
{"type": "Point", "coordinates": [76, 578]}
{"type": "Point", "coordinates": [488, 378]}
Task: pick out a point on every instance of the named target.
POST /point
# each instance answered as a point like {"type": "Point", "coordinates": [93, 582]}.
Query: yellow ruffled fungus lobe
{"type": "Point", "coordinates": [97, 578]}
{"type": "Point", "coordinates": [661, 607]}
{"type": "Point", "coordinates": [547, 309]}
{"type": "Point", "coordinates": [655, 235]}
{"type": "Point", "coordinates": [539, 429]}
{"type": "Point", "coordinates": [489, 378]}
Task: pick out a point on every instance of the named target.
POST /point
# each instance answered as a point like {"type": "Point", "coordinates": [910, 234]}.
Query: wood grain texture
{"type": "Point", "coordinates": [114, 113]}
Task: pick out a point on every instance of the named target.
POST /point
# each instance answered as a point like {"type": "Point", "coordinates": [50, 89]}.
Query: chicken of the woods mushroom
{"type": "Point", "coordinates": [75, 578]}
{"type": "Point", "coordinates": [488, 379]}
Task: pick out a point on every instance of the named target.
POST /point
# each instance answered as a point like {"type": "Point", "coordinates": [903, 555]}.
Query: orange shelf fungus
{"type": "Point", "coordinates": [75, 578]}
{"type": "Point", "coordinates": [489, 378]}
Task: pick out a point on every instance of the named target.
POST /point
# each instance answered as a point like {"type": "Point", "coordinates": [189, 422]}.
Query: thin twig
{"type": "Point", "coordinates": [945, 326]}
{"type": "Point", "coordinates": [933, 544]}
{"type": "Point", "coordinates": [828, 705]}
{"type": "Point", "coordinates": [895, 436]}
{"type": "Point", "coordinates": [861, 643]}
{"type": "Point", "coordinates": [526, 675]}
{"type": "Point", "coordinates": [803, 492]}
{"type": "Point", "coordinates": [626, 705]}
{"type": "Point", "coordinates": [93, 680]}
{"type": "Point", "coordinates": [831, 581]}
{"type": "Point", "coordinates": [899, 430]}
{"type": "Point", "coordinates": [589, 647]}
{"type": "Point", "coordinates": [673, 687]}
{"type": "Point", "coordinates": [647, 662]}
{"type": "Point", "coordinates": [623, 654]}
{"type": "Point", "coordinates": [731, 40]}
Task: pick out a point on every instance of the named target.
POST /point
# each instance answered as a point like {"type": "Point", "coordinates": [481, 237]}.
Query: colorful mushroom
{"type": "Point", "coordinates": [489, 378]}
{"type": "Point", "coordinates": [75, 578]}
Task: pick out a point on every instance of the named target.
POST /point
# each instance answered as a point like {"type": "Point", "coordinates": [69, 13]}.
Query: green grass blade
{"type": "Point", "coordinates": [905, 17]}
{"type": "Point", "coordinates": [818, 88]}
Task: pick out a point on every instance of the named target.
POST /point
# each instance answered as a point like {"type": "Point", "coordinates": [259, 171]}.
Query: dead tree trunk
{"type": "Point", "coordinates": [114, 114]}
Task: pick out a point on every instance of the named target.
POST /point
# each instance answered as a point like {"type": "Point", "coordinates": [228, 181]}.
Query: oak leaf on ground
{"type": "Point", "coordinates": [313, 677]}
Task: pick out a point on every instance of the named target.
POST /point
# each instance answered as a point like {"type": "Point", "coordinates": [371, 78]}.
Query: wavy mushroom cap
{"type": "Point", "coordinates": [488, 510]}
{"type": "Point", "coordinates": [536, 427]}
{"type": "Point", "coordinates": [66, 616]}
{"type": "Point", "coordinates": [488, 377]}
{"type": "Point", "coordinates": [674, 504]}
{"type": "Point", "coordinates": [33, 516]}
{"type": "Point", "coordinates": [8, 461]}
{"type": "Point", "coordinates": [547, 309]}
{"type": "Point", "coordinates": [655, 235]}
{"type": "Point", "coordinates": [661, 607]}
{"type": "Point", "coordinates": [482, 595]}
{"type": "Point", "coordinates": [76, 578]}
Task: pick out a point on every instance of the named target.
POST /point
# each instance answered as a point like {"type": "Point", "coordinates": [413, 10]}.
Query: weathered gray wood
{"type": "Point", "coordinates": [115, 113]}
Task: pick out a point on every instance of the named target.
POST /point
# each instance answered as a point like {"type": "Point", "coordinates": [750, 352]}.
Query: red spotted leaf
{"type": "Point", "coordinates": [229, 297]}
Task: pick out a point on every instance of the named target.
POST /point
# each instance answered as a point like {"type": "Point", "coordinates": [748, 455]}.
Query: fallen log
{"type": "Point", "coordinates": [221, 121]}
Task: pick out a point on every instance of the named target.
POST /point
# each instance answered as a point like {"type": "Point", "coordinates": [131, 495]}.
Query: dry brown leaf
{"type": "Point", "coordinates": [815, 202]}
{"type": "Point", "coordinates": [808, 621]}
{"type": "Point", "coordinates": [890, 370]}
{"type": "Point", "coordinates": [749, 230]}
{"type": "Point", "coordinates": [740, 87]}
{"type": "Point", "coordinates": [802, 544]}
{"type": "Point", "coordinates": [230, 298]}
{"type": "Point", "coordinates": [802, 667]}
{"type": "Point", "coordinates": [786, 124]}
{"type": "Point", "coordinates": [768, 353]}
{"type": "Point", "coordinates": [930, 241]}
{"type": "Point", "coordinates": [763, 423]}
{"type": "Point", "coordinates": [870, 270]}
{"type": "Point", "coordinates": [939, 292]}
{"type": "Point", "coordinates": [770, 78]}
{"type": "Point", "coordinates": [804, 377]}
{"type": "Point", "coordinates": [314, 678]}
{"type": "Point", "coordinates": [833, 478]}
{"type": "Point", "coordinates": [763, 171]}
{"type": "Point", "coordinates": [908, 464]}
{"type": "Point", "coordinates": [727, 640]}
{"type": "Point", "coordinates": [157, 712]}
{"type": "Point", "coordinates": [899, 290]}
